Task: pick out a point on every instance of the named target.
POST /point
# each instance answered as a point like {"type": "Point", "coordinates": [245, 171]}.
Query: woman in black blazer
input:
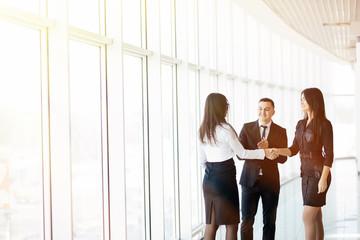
{"type": "Point", "coordinates": [314, 140]}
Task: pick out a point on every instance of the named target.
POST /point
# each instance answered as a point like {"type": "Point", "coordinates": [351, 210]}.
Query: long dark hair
{"type": "Point", "coordinates": [315, 99]}
{"type": "Point", "coordinates": [216, 107]}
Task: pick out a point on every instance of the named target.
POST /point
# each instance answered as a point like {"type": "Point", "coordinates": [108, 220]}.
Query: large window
{"type": "Point", "coordinates": [21, 141]}
{"type": "Point", "coordinates": [196, 171]}
{"type": "Point", "coordinates": [86, 144]}
{"type": "Point", "coordinates": [168, 117]}
{"type": "Point", "coordinates": [134, 147]}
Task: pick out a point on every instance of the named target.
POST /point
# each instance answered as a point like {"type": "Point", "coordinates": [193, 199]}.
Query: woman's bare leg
{"type": "Point", "coordinates": [231, 231]}
{"type": "Point", "coordinates": [319, 226]}
{"type": "Point", "coordinates": [309, 219]}
{"type": "Point", "coordinates": [210, 230]}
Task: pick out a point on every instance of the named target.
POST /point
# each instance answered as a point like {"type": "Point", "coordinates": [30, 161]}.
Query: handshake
{"type": "Point", "coordinates": [271, 153]}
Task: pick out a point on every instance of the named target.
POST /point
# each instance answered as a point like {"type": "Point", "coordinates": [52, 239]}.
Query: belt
{"type": "Point", "coordinates": [310, 155]}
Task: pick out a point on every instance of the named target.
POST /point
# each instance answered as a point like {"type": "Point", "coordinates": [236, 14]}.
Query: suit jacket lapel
{"type": "Point", "coordinates": [271, 133]}
{"type": "Point", "coordinates": [256, 130]}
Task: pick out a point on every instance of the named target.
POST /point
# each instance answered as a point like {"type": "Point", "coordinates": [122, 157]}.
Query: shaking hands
{"type": "Point", "coordinates": [271, 153]}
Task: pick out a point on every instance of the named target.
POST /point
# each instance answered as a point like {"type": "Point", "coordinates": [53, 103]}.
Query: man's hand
{"type": "Point", "coordinates": [263, 144]}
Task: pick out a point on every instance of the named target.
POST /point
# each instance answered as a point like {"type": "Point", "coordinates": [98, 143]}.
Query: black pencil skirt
{"type": "Point", "coordinates": [311, 197]}
{"type": "Point", "coordinates": [221, 191]}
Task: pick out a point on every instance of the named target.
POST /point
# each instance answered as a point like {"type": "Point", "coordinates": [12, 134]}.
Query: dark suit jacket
{"type": "Point", "coordinates": [249, 137]}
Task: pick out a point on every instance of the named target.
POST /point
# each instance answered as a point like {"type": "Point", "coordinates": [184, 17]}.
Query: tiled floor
{"type": "Point", "coordinates": [340, 215]}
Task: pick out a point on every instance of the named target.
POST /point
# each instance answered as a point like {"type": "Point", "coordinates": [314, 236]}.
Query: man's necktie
{"type": "Point", "coordinates": [263, 131]}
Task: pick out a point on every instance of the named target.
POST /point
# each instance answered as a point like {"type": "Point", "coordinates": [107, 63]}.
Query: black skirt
{"type": "Point", "coordinates": [221, 191]}
{"type": "Point", "coordinates": [311, 197]}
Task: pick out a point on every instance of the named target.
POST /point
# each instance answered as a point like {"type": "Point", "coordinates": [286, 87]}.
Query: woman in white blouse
{"type": "Point", "coordinates": [218, 145]}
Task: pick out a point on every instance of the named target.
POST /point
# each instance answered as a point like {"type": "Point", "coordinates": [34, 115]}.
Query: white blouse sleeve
{"type": "Point", "coordinates": [201, 155]}
{"type": "Point", "coordinates": [239, 150]}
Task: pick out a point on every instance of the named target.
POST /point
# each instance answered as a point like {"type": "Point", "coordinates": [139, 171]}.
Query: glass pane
{"type": "Point", "coordinates": [213, 82]}
{"type": "Point", "coordinates": [244, 50]}
{"type": "Point", "coordinates": [254, 97]}
{"type": "Point", "coordinates": [310, 68]}
{"type": "Point", "coordinates": [302, 66]}
{"type": "Point", "coordinates": [203, 31]}
{"type": "Point", "coordinates": [134, 147]}
{"type": "Point", "coordinates": [192, 31]}
{"type": "Point", "coordinates": [289, 122]}
{"type": "Point", "coordinates": [86, 149]}
{"type": "Point", "coordinates": [204, 92]}
{"type": "Point", "coordinates": [344, 125]}
{"type": "Point", "coordinates": [237, 38]}
{"type": "Point", "coordinates": [222, 86]}
{"type": "Point", "coordinates": [212, 34]}
{"type": "Point", "coordinates": [220, 34]}
{"type": "Point", "coordinates": [207, 86]}
{"type": "Point", "coordinates": [230, 96]}
{"type": "Point", "coordinates": [166, 27]}
{"type": "Point", "coordinates": [85, 14]}
{"type": "Point", "coordinates": [252, 48]}
{"type": "Point", "coordinates": [265, 67]}
{"type": "Point", "coordinates": [280, 100]}
{"type": "Point", "coordinates": [347, 83]}
{"type": "Point", "coordinates": [239, 105]}
{"type": "Point", "coordinates": [132, 22]}
{"type": "Point", "coordinates": [276, 58]}
{"type": "Point", "coordinates": [21, 193]}
{"type": "Point", "coordinates": [26, 5]}
{"type": "Point", "coordinates": [317, 71]}
{"type": "Point", "coordinates": [195, 166]}
{"type": "Point", "coordinates": [295, 73]}
{"type": "Point", "coordinates": [167, 79]}
{"type": "Point", "coordinates": [229, 37]}
{"type": "Point", "coordinates": [287, 65]}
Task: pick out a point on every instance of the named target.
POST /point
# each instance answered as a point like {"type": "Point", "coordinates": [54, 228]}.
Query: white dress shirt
{"type": "Point", "coordinates": [267, 130]}
{"type": "Point", "coordinates": [227, 145]}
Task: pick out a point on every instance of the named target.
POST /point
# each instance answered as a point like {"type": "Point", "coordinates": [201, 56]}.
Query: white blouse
{"type": "Point", "coordinates": [227, 145]}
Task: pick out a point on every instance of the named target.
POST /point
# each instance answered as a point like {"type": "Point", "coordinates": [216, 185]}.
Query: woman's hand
{"type": "Point", "coordinates": [322, 185]}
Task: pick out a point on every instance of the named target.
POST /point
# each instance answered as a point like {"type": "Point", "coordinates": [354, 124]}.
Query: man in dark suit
{"type": "Point", "coordinates": [260, 178]}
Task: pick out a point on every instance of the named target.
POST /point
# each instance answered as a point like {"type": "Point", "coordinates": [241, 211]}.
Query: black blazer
{"type": "Point", "coordinates": [249, 137]}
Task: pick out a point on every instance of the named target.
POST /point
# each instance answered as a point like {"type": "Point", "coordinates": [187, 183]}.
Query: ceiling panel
{"type": "Point", "coordinates": [324, 22]}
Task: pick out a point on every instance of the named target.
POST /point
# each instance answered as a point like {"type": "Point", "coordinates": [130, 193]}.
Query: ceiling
{"type": "Point", "coordinates": [324, 22]}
